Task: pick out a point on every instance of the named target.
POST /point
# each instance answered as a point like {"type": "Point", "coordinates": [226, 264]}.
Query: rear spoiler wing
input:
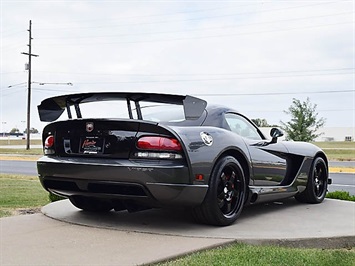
{"type": "Point", "coordinates": [52, 108]}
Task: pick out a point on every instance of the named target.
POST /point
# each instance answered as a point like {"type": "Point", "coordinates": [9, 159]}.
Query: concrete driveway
{"type": "Point", "coordinates": [74, 237]}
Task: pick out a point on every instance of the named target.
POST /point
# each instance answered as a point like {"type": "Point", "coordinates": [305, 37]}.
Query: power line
{"type": "Point", "coordinates": [247, 94]}
{"type": "Point", "coordinates": [192, 19]}
{"type": "Point", "coordinates": [194, 30]}
{"type": "Point", "coordinates": [203, 74]}
{"type": "Point", "coordinates": [195, 80]}
{"type": "Point", "coordinates": [50, 91]}
{"type": "Point", "coordinates": [153, 15]}
{"type": "Point", "coordinates": [53, 83]}
{"type": "Point", "coordinates": [18, 84]}
{"type": "Point", "coordinates": [12, 34]}
{"type": "Point", "coordinates": [210, 79]}
{"type": "Point", "coordinates": [273, 93]}
{"type": "Point", "coordinates": [8, 73]}
{"type": "Point", "coordinates": [318, 110]}
{"type": "Point", "coordinates": [13, 91]}
{"type": "Point", "coordinates": [199, 37]}
{"type": "Point", "coordinates": [241, 94]}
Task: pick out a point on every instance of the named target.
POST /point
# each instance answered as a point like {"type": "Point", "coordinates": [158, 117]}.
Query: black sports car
{"type": "Point", "coordinates": [171, 150]}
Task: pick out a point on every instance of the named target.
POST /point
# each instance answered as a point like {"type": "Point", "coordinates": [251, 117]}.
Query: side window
{"type": "Point", "coordinates": [241, 126]}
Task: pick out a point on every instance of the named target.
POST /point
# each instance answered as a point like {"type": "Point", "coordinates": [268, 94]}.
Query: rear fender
{"type": "Point", "coordinates": [202, 156]}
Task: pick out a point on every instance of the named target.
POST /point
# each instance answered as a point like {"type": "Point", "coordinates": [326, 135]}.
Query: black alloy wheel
{"type": "Point", "coordinates": [228, 191]}
{"type": "Point", "coordinates": [320, 179]}
{"type": "Point", "coordinates": [225, 197]}
{"type": "Point", "coordinates": [317, 183]}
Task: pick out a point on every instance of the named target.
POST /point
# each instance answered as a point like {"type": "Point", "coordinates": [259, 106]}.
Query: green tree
{"type": "Point", "coordinates": [14, 130]}
{"type": "Point", "coordinates": [260, 122]}
{"type": "Point", "coordinates": [32, 130]}
{"type": "Point", "coordinates": [304, 122]}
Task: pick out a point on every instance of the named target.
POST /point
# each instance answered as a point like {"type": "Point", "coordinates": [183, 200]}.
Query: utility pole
{"type": "Point", "coordinates": [29, 85]}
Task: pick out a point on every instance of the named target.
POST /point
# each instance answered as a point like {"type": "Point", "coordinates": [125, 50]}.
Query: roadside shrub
{"type": "Point", "coordinates": [341, 195]}
{"type": "Point", "coordinates": [54, 197]}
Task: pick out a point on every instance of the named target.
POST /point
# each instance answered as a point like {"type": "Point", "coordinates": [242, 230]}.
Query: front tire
{"type": "Point", "coordinates": [317, 183]}
{"type": "Point", "coordinates": [225, 197]}
{"type": "Point", "coordinates": [91, 204]}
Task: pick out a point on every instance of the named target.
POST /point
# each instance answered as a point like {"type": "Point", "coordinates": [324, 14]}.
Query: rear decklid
{"type": "Point", "coordinates": [116, 137]}
{"type": "Point", "coordinates": [90, 137]}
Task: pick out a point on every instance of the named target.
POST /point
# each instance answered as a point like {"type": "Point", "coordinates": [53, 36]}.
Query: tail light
{"type": "Point", "coordinates": [49, 145]}
{"type": "Point", "coordinates": [159, 143]}
{"type": "Point", "coordinates": [49, 142]}
{"type": "Point", "coordinates": [155, 147]}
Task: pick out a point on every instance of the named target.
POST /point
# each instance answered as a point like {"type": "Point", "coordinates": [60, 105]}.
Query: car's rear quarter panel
{"type": "Point", "coordinates": [202, 157]}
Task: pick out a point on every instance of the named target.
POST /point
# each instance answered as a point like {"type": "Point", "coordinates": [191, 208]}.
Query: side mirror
{"type": "Point", "coordinates": [275, 133]}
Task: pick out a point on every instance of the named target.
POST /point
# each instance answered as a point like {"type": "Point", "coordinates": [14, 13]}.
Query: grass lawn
{"type": "Point", "coordinates": [335, 144]}
{"type": "Point", "coordinates": [338, 150]}
{"type": "Point", "coordinates": [19, 142]}
{"type": "Point", "coordinates": [18, 191]}
{"type": "Point", "coordinates": [340, 155]}
{"type": "Point", "coordinates": [242, 254]}
{"type": "Point", "coordinates": [21, 151]}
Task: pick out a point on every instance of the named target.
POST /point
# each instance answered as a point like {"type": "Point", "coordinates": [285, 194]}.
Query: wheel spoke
{"type": "Point", "coordinates": [232, 178]}
{"type": "Point", "coordinates": [224, 178]}
{"type": "Point", "coordinates": [228, 207]}
{"type": "Point", "coordinates": [316, 189]}
{"type": "Point", "coordinates": [221, 196]}
{"type": "Point", "coordinates": [235, 193]}
{"type": "Point", "coordinates": [319, 180]}
{"type": "Point", "coordinates": [315, 173]}
{"type": "Point", "coordinates": [221, 203]}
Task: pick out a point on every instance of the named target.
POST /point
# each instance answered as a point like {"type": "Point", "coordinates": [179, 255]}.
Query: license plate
{"type": "Point", "coordinates": [91, 145]}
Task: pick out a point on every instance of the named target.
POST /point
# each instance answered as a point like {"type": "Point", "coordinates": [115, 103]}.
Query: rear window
{"type": "Point", "coordinates": [161, 113]}
{"type": "Point", "coordinates": [164, 113]}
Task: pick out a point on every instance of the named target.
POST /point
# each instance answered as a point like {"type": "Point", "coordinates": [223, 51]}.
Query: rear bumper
{"type": "Point", "coordinates": [150, 184]}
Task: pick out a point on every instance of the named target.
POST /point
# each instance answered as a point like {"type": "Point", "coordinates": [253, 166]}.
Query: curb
{"type": "Point", "coordinates": [345, 170]}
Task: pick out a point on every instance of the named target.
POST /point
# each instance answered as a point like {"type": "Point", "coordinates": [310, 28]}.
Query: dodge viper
{"type": "Point", "coordinates": [163, 150]}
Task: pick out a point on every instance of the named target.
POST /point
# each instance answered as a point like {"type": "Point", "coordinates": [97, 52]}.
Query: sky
{"type": "Point", "coordinates": [254, 56]}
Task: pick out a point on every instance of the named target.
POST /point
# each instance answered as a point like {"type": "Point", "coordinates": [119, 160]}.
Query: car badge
{"type": "Point", "coordinates": [206, 138]}
{"type": "Point", "coordinates": [89, 127]}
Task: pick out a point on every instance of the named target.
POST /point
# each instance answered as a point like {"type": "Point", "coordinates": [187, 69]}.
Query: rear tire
{"type": "Point", "coordinates": [317, 183]}
{"type": "Point", "coordinates": [225, 196]}
{"type": "Point", "coordinates": [91, 204]}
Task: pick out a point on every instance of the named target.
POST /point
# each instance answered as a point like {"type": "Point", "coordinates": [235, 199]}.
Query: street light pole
{"type": "Point", "coordinates": [29, 85]}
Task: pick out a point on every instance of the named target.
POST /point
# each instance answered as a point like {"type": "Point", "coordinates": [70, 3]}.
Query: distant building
{"type": "Point", "coordinates": [6, 135]}
{"type": "Point", "coordinates": [337, 134]}
{"type": "Point", "coordinates": [18, 134]}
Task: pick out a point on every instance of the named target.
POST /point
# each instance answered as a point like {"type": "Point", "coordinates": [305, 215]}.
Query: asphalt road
{"type": "Point", "coordinates": [341, 181]}
{"type": "Point", "coordinates": [342, 164]}
{"type": "Point", "coordinates": [18, 167]}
